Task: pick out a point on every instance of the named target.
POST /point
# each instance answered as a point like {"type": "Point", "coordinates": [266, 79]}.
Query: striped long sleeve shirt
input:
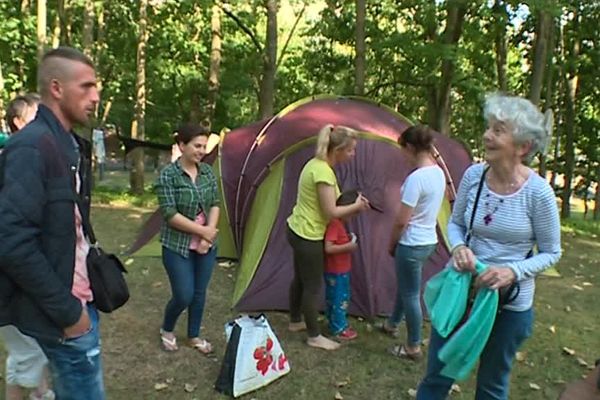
{"type": "Point", "coordinates": [507, 227]}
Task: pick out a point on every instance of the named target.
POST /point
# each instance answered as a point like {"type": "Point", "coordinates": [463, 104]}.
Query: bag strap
{"type": "Point", "coordinates": [477, 196]}
{"type": "Point", "coordinates": [85, 222]}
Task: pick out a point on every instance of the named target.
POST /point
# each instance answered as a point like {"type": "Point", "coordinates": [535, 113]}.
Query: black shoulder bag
{"type": "Point", "coordinates": [105, 271]}
{"type": "Point", "coordinates": [510, 293]}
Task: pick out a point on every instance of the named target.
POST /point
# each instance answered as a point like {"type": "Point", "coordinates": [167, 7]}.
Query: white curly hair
{"type": "Point", "coordinates": [529, 124]}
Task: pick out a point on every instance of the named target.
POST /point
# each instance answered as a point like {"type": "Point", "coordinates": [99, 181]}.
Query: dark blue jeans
{"type": "Point", "coordinates": [409, 268]}
{"type": "Point", "coordinates": [76, 364]}
{"type": "Point", "coordinates": [509, 332]}
{"type": "Point", "coordinates": [189, 278]}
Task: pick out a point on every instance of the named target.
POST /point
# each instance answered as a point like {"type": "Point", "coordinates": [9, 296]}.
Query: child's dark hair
{"type": "Point", "coordinates": [419, 136]}
{"type": "Point", "coordinates": [347, 198]}
{"type": "Point", "coordinates": [188, 131]}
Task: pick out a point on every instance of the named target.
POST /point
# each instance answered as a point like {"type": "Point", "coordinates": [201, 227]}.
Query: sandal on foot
{"type": "Point", "coordinates": [388, 329]}
{"type": "Point", "coordinates": [201, 345]}
{"type": "Point", "coordinates": [168, 344]}
{"type": "Point", "coordinates": [400, 351]}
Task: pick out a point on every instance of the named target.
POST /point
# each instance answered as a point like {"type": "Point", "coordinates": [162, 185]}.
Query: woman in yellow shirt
{"type": "Point", "coordinates": [315, 207]}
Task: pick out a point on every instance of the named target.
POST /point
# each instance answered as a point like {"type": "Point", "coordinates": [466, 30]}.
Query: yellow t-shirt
{"type": "Point", "coordinates": [308, 220]}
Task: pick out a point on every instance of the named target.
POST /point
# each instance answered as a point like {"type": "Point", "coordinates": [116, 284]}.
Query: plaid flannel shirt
{"type": "Point", "coordinates": [178, 194]}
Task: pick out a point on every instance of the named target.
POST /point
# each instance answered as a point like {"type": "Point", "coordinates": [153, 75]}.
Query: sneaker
{"type": "Point", "coordinates": [347, 334]}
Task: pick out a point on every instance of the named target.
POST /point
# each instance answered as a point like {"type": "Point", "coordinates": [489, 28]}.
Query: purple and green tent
{"type": "Point", "coordinates": [258, 166]}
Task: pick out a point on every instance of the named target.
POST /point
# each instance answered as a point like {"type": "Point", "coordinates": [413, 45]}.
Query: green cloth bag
{"type": "Point", "coordinates": [462, 350]}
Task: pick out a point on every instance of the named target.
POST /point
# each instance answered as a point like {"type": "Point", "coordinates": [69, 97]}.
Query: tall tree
{"type": "Point", "coordinates": [41, 28]}
{"type": "Point", "coordinates": [88, 28]}
{"type": "Point", "coordinates": [267, 82]}
{"type": "Point", "coordinates": [571, 86]}
{"type": "Point", "coordinates": [501, 20]}
{"type": "Point", "coordinates": [359, 58]}
{"type": "Point", "coordinates": [439, 108]}
{"type": "Point", "coordinates": [215, 63]}
{"type": "Point", "coordinates": [136, 177]}
{"type": "Point", "coordinates": [540, 49]}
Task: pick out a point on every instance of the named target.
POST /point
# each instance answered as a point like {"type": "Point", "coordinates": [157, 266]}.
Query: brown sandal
{"type": "Point", "coordinates": [400, 351]}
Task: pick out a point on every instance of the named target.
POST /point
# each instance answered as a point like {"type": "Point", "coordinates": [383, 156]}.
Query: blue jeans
{"type": "Point", "coordinates": [409, 267]}
{"type": "Point", "coordinates": [189, 278]}
{"type": "Point", "coordinates": [337, 296]}
{"type": "Point", "coordinates": [76, 364]}
{"type": "Point", "coordinates": [510, 330]}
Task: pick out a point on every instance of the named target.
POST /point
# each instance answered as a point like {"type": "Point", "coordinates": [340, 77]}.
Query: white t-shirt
{"type": "Point", "coordinates": [423, 190]}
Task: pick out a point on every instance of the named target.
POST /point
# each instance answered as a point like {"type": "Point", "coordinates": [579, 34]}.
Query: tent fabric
{"type": "Point", "coordinates": [378, 170]}
{"type": "Point", "coordinates": [258, 166]}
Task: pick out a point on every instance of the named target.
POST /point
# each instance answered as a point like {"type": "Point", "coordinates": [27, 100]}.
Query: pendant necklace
{"type": "Point", "coordinates": [491, 208]}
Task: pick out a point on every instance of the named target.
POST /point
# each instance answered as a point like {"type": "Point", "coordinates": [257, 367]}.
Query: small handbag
{"type": "Point", "coordinates": [105, 272]}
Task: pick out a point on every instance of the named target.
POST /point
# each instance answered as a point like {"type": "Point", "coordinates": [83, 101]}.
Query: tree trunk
{"type": "Point", "coordinates": [65, 22]}
{"type": "Point", "coordinates": [359, 60]}
{"type": "Point", "coordinates": [501, 19]}
{"type": "Point", "coordinates": [88, 28]}
{"type": "Point", "coordinates": [548, 98]}
{"type": "Point", "coordinates": [215, 64]}
{"type": "Point", "coordinates": [55, 40]}
{"type": "Point", "coordinates": [3, 126]}
{"type": "Point", "coordinates": [136, 177]}
{"type": "Point", "coordinates": [41, 28]}
{"type": "Point", "coordinates": [542, 30]}
{"type": "Point", "coordinates": [440, 94]}
{"type": "Point", "coordinates": [267, 83]}
{"type": "Point", "coordinates": [571, 89]}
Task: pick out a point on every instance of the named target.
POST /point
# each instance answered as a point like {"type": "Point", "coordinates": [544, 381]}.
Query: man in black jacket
{"type": "Point", "coordinates": [44, 287]}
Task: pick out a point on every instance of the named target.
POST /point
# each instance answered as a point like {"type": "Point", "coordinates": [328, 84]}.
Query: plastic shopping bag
{"type": "Point", "coordinates": [253, 357]}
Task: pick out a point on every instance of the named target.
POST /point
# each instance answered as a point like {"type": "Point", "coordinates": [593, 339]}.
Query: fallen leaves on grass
{"type": "Point", "coordinates": [342, 383]}
{"type": "Point", "coordinates": [160, 386]}
{"type": "Point", "coordinates": [534, 386]}
{"type": "Point", "coordinates": [568, 351]}
{"type": "Point", "coordinates": [587, 284]}
{"type": "Point", "coordinates": [188, 387]}
{"type": "Point", "coordinates": [582, 362]}
{"type": "Point", "coordinates": [576, 287]}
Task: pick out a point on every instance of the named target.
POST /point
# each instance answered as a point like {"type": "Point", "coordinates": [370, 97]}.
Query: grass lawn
{"type": "Point", "coordinates": [566, 316]}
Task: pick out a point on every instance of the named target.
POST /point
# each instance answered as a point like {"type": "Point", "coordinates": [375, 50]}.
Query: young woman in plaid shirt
{"type": "Point", "coordinates": [188, 199]}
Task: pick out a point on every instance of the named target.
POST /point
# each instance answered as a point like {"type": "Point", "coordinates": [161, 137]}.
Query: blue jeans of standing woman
{"type": "Point", "coordinates": [510, 330]}
{"type": "Point", "coordinates": [189, 278]}
{"type": "Point", "coordinates": [409, 267]}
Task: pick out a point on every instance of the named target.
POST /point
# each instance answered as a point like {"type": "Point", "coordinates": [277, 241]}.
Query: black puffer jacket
{"type": "Point", "coordinates": [37, 226]}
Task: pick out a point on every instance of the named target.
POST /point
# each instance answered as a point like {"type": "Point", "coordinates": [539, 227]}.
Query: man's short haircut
{"type": "Point", "coordinates": [53, 66]}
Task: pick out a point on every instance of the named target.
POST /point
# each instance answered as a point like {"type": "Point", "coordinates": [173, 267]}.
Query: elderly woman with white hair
{"type": "Point", "coordinates": [515, 230]}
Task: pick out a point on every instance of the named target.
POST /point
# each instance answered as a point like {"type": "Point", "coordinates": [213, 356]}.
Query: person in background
{"type": "Point", "coordinates": [516, 213]}
{"type": "Point", "coordinates": [315, 207]}
{"type": "Point", "coordinates": [26, 364]}
{"type": "Point", "coordinates": [189, 202]}
{"type": "Point", "coordinates": [339, 245]}
{"type": "Point", "coordinates": [414, 236]}
{"type": "Point", "coordinates": [99, 150]}
{"type": "Point", "coordinates": [44, 286]}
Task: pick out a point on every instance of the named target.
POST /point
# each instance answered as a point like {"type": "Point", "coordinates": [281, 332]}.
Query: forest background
{"type": "Point", "coordinates": [226, 64]}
